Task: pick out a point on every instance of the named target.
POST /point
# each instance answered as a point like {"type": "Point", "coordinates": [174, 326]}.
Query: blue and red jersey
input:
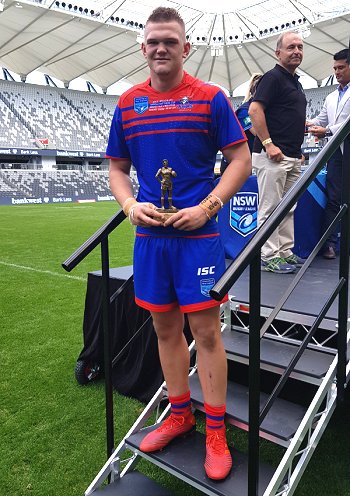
{"type": "Point", "coordinates": [187, 126]}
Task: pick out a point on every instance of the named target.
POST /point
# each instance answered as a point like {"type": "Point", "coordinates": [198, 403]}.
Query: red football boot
{"type": "Point", "coordinates": [172, 427]}
{"type": "Point", "coordinates": [218, 460]}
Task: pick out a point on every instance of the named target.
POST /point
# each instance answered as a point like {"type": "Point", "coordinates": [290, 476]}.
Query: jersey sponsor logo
{"type": "Point", "coordinates": [162, 105]}
{"type": "Point", "coordinates": [204, 271]}
{"type": "Point", "coordinates": [141, 104]}
{"type": "Point", "coordinates": [206, 286]}
{"type": "Point", "coordinates": [244, 212]}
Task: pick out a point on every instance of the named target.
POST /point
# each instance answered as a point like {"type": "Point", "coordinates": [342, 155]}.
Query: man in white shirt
{"type": "Point", "coordinates": [335, 111]}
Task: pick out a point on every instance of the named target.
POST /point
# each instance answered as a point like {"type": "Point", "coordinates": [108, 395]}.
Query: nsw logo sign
{"type": "Point", "coordinates": [244, 212]}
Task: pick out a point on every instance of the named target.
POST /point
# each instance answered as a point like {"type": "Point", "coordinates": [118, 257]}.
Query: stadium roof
{"type": "Point", "coordinates": [100, 40]}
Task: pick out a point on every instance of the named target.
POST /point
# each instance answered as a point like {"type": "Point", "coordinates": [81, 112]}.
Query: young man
{"type": "Point", "coordinates": [278, 113]}
{"type": "Point", "coordinates": [335, 111]}
{"type": "Point", "coordinates": [177, 259]}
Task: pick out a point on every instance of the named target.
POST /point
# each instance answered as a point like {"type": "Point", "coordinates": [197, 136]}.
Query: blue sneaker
{"type": "Point", "coordinates": [277, 265]}
{"type": "Point", "coordinates": [295, 260]}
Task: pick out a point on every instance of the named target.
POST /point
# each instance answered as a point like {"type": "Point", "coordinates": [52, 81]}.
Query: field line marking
{"type": "Point", "coordinates": [50, 272]}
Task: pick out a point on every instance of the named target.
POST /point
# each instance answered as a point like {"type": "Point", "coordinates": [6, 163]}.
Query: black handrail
{"type": "Point", "coordinates": [93, 241]}
{"type": "Point", "coordinates": [344, 272]}
{"type": "Point", "coordinates": [250, 255]}
{"type": "Point", "coordinates": [254, 374]}
{"type": "Point", "coordinates": [101, 237]}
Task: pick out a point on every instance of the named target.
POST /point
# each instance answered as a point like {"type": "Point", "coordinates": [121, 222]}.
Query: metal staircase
{"type": "Point", "coordinates": [295, 425]}
{"type": "Point", "coordinates": [283, 384]}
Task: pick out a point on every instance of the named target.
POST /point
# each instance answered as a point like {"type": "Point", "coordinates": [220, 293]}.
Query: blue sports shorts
{"type": "Point", "coordinates": [172, 272]}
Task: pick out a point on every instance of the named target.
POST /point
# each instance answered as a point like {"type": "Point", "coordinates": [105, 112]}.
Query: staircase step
{"type": "Point", "coordinates": [279, 425]}
{"type": "Point", "coordinates": [277, 355]}
{"type": "Point", "coordinates": [184, 457]}
{"type": "Point", "coordinates": [131, 484]}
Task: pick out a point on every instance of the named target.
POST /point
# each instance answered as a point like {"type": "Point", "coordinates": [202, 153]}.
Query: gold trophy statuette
{"type": "Point", "coordinates": [164, 176]}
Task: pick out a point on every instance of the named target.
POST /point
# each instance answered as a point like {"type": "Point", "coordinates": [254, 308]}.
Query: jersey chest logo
{"type": "Point", "coordinates": [141, 104]}
{"type": "Point", "coordinates": [184, 103]}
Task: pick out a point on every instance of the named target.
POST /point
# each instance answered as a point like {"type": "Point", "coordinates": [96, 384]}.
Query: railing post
{"type": "Point", "coordinates": [344, 273]}
{"type": "Point", "coordinates": [254, 374]}
{"type": "Point", "coordinates": [107, 346]}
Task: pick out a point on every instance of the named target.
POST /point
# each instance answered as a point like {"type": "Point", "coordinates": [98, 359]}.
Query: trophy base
{"type": "Point", "coordinates": [167, 212]}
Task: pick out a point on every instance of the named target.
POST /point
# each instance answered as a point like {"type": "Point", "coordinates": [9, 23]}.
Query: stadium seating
{"type": "Point", "coordinates": [39, 183]}
{"type": "Point", "coordinates": [75, 120]}
{"type": "Point", "coordinates": [59, 184]}
{"type": "Point", "coordinates": [72, 120]}
{"type": "Point", "coordinates": [236, 101]}
{"type": "Point", "coordinates": [315, 98]}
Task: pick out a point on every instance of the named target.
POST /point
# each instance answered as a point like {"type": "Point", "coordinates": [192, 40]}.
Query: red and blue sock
{"type": "Point", "coordinates": [181, 405]}
{"type": "Point", "coordinates": [215, 416]}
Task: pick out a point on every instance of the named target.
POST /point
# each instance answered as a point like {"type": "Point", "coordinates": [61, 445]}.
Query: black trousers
{"type": "Point", "coordinates": [333, 191]}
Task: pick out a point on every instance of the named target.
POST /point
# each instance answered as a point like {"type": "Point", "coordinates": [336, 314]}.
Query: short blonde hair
{"type": "Point", "coordinates": [253, 82]}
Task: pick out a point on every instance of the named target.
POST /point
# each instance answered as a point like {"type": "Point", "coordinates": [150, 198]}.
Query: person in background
{"type": "Point", "coordinates": [177, 260]}
{"type": "Point", "coordinates": [278, 114]}
{"type": "Point", "coordinates": [243, 116]}
{"type": "Point", "coordinates": [335, 111]}
{"type": "Point", "coordinates": [243, 110]}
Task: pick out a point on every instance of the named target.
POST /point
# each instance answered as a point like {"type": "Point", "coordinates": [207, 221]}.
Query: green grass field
{"type": "Point", "coordinates": [52, 431]}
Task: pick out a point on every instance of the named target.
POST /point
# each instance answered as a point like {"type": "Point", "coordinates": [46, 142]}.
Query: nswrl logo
{"type": "Point", "coordinates": [140, 104]}
{"type": "Point", "coordinates": [206, 286]}
{"type": "Point", "coordinates": [244, 212]}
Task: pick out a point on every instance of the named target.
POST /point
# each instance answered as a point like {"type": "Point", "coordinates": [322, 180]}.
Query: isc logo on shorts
{"type": "Point", "coordinates": [204, 271]}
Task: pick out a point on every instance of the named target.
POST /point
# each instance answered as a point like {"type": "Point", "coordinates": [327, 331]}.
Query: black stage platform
{"type": "Point", "coordinates": [309, 296]}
